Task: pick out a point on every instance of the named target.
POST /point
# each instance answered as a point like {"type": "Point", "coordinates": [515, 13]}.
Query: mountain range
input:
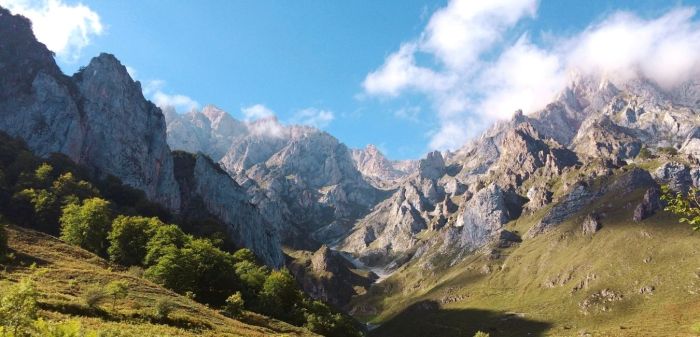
{"type": "Point", "coordinates": [389, 241]}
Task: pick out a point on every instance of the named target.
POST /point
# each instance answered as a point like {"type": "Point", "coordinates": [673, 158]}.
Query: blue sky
{"type": "Point", "coordinates": [316, 56]}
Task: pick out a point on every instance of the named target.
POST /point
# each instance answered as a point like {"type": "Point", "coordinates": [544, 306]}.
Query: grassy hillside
{"type": "Point", "coordinates": [628, 279]}
{"type": "Point", "coordinates": [63, 273]}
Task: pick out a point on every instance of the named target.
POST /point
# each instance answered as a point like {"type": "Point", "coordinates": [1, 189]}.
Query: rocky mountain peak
{"type": "Point", "coordinates": [432, 166]}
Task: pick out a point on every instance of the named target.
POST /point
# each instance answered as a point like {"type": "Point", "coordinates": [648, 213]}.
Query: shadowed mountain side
{"type": "Point", "coordinates": [426, 319]}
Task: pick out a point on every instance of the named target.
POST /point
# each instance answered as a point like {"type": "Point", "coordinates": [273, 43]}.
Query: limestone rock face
{"type": "Point", "coordinates": [601, 138]}
{"type": "Point", "coordinates": [303, 181]}
{"type": "Point", "coordinates": [203, 181]}
{"type": "Point", "coordinates": [99, 117]}
{"type": "Point", "coordinates": [649, 205]}
{"type": "Point", "coordinates": [579, 196]}
{"type": "Point", "coordinates": [676, 175]}
{"type": "Point", "coordinates": [378, 169]}
{"type": "Point", "coordinates": [125, 136]}
{"type": "Point", "coordinates": [591, 224]}
{"type": "Point", "coordinates": [523, 151]}
{"type": "Point", "coordinates": [328, 276]}
{"type": "Point", "coordinates": [482, 217]}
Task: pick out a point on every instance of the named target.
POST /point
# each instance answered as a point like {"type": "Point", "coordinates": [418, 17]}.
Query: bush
{"type": "Point", "coordinates": [280, 295]}
{"type": "Point", "coordinates": [117, 290]}
{"type": "Point", "coordinates": [234, 305]}
{"type": "Point", "coordinates": [668, 150]}
{"type": "Point", "coordinates": [164, 306]}
{"type": "Point", "coordinates": [321, 320]}
{"type": "Point", "coordinates": [87, 225]}
{"type": "Point", "coordinates": [18, 308]}
{"type": "Point", "coordinates": [198, 267]}
{"type": "Point", "coordinates": [70, 328]}
{"type": "Point", "coordinates": [164, 238]}
{"type": "Point", "coordinates": [644, 153]}
{"type": "Point", "coordinates": [93, 297]}
{"type": "Point", "coordinates": [481, 334]}
{"type": "Point", "coordinates": [129, 237]}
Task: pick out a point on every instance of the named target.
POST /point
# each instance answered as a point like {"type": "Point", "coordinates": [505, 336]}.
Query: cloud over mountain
{"type": "Point", "coordinates": [65, 29]}
{"type": "Point", "coordinates": [476, 63]}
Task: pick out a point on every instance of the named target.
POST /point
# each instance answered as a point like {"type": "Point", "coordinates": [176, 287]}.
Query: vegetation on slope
{"type": "Point", "coordinates": [114, 221]}
{"type": "Point", "coordinates": [628, 279]}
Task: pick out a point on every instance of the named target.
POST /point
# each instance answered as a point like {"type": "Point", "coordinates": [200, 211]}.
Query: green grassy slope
{"type": "Point", "coordinates": [63, 273]}
{"type": "Point", "coordinates": [646, 276]}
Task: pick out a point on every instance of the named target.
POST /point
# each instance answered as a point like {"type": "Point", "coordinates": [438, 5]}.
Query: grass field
{"type": "Point", "coordinates": [63, 273]}
{"type": "Point", "coordinates": [628, 279]}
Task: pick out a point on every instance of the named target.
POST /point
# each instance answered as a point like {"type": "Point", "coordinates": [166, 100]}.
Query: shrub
{"type": "Point", "coordinates": [164, 306]}
{"type": "Point", "coordinates": [18, 308]}
{"type": "Point", "coordinates": [70, 328]}
{"type": "Point", "coordinates": [234, 305]}
{"type": "Point", "coordinates": [481, 334]}
{"type": "Point", "coordinates": [117, 290]}
{"type": "Point", "coordinates": [280, 295]}
{"type": "Point", "coordinates": [644, 153]}
{"type": "Point", "coordinates": [668, 150]}
{"type": "Point", "coordinates": [129, 237]}
{"type": "Point", "coordinates": [198, 267]}
{"type": "Point", "coordinates": [163, 238]}
{"type": "Point", "coordinates": [86, 225]}
{"type": "Point", "coordinates": [687, 207]}
{"type": "Point", "coordinates": [93, 296]}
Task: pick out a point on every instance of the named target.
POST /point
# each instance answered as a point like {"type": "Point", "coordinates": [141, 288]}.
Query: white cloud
{"type": "Point", "coordinates": [257, 111]}
{"type": "Point", "coordinates": [65, 29]}
{"type": "Point", "coordinates": [314, 117]}
{"type": "Point", "coordinates": [181, 103]}
{"type": "Point", "coordinates": [476, 72]}
{"type": "Point", "coordinates": [409, 113]}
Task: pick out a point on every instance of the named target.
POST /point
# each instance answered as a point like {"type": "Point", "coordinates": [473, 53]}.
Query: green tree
{"type": "Point", "coordinates": [481, 334]}
{"type": "Point", "coordinates": [69, 190]}
{"type": "Point", "coordinates": [45, 205]}
{"type": "Point", "coordinates": [18, 308]}
{"type": "Point", "coordinates": [43, 173]}
{"type": "Point", "coordinates": [252, 278]}
{"type": "Point", "coordinates": [321, 320]}
{"type": "Point", "coordinates": [280, 296]}
{"type": "Point", "coordinates": [129, 238]}
{"type": "Point", "coordinates": [93, 296]}
{"type": "Point", "coordinates": [164, 238]}
{"type": "Point", "coordinates": [117, 289]}
{"type": "Point", "coordinates": [234, 305]}
{"type": "Point", "coordinates": [87, 225]}
{"type": "Point", "coordinates": [686, 206]}
{"type": "Point", "coordinates": [163, 308]}
{"type": "Point", "coordinates": [199, 267]}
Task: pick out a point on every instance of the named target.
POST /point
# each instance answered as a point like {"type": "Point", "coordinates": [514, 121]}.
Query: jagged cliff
{"type": "Point", "coordinates": [302, 179]}
{"type": "Point", "coordinates": [461, 202]}
{"type": "Point", "coordinates": [100, 119]}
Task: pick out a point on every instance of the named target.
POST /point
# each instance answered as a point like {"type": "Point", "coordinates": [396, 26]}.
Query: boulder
{"type": "Point", "coordinates": [676, 175]}
{"type": "Point", "coordinates": [591, 224]}
{"type": "Point", "coordinates": [649, 205]}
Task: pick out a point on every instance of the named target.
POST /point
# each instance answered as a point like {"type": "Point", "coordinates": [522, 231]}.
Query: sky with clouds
{"type": "Point", "coordinates": [407, 75]}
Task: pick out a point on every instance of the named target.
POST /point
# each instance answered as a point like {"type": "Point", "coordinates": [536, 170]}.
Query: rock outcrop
{"type": "Point", "coordinates": [380, 171]}
{"type": "Point", "coordinates": [591, 224]}
{"type": "Point", "coordinates": [328, 276]}
{"type": "Point", "coordinates": [649, 205]}
{"type": "Point", "coordinates": [98, 118]}
{"type": "Point", "coordinates": [204, 184]}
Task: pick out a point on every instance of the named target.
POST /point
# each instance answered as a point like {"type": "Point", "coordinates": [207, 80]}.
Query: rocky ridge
{"type": "Point", "coordinates": [100, 119]}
